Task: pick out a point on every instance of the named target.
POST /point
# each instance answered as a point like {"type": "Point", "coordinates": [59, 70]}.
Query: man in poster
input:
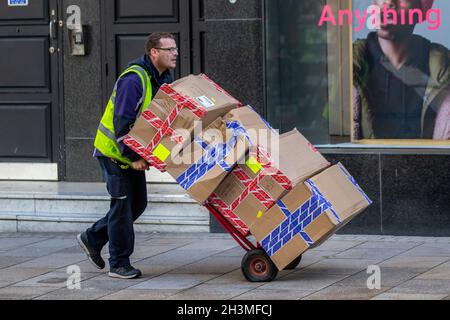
{"type": "Point", "coordinates": [401, 81]}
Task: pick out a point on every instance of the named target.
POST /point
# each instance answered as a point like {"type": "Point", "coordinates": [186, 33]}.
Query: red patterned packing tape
{"type": "Point", "coordinates": [164, 127]}
{"type": "Point", "coordinates": [251, 186]}
{"type": "Point", "coordinates": [219, 88]}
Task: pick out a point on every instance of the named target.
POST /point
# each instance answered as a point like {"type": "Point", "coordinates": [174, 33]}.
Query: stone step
{"type": "Point", "coordinates": [72, 207]}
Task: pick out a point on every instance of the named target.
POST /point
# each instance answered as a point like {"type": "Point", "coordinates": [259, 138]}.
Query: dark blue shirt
{"type": "Point", "coordinates": [396, 96]}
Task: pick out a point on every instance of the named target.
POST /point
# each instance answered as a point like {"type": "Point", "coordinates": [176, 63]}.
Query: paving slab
{"type": "Point", "coordinates": [304, 281]}
{"type": "Point", "coordinates": [389, 277]}
{"type": "Point", "coordinates": [131, 294]}
{"type": "Point", "coordinates": [209, 292]}
{"type": "Point", "coordinates": [110, 285]}
{"type": "Point", "coordinates": [52, 279]}
{"type": "Point", "coordinates": [23, 293]}
{"type": "Point", "coordinates": [236, 277]}
{"type": "Point", "coordinates": [146, 251]}
{"type": "Point", "coordinates": [24, 235]}
{"type": "Point", "coordinates": [179, 257]}
{"type": "Point", "coordinates": [211, 265]}
{"type": "Point", "coordinates": [424, 287]}
{"type": "Point", "coordinates": [211, 244]}
{"type": "Point", "coordinates": [408, 296]}
{"type": "Point", "coordinates": [153, 270]}
{"type": "Point", "coordinates": [8, 261]}
{"type": "Point", "coordinates": [324, 254]}
{"type": "Point", "coordinates": [339, 266]}
{"type": "Point", "coordinates": [74, 294]}
{"type": "Point", "coordinates": [371, 254]}
{"type": "Point", "coordinates": [13, 275]}
{"type": "Point", "coordinates": [337, 245]}
{"type": "Point", "coordinates": [345, 293]}
{"type": "Point", "coordinates": [61, 243]}
{"type": "Point", "coordinates": [415, 262]}
{"type": "Point", "coordinates": [8, 242]}
{"type": "Point", "coordinates": [388, 244]}
{"type": "Point", "coordinates": [309, 259]}
{"type": "Point", "coordinates": [55, 260]}
{"type": "Point", "coordinates": [269, 294]}
{"type": "Point", "coordinates": [86, 266]}
{"type": "Point", "coordinates": [233, 252]}
{"type": "Point", "coordinates": [31, 252]}
{"type": "Point", "coordinates": [76, 249]}
{"type": "Point", "coordinates": [430, 249]}
{"type": "Point", "coordinates": [440, 272]}
{"type": "Point", "coordinates": [175, 243]}
{"type": "Point", "coordinates": [174, 281]}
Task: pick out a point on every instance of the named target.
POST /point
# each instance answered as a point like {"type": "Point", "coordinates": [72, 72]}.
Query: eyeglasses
{"type": "Point", "coordinates": [172, 50]}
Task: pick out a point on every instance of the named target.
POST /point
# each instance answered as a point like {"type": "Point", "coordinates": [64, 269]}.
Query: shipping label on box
{"type": "Point", "coordinates": [311, 212]}
{"type": "Point", "coordinates": [176, 111]}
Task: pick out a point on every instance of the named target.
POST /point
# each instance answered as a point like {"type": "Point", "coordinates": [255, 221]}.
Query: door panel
{"type": "Point", "coordinates": [23, 137]}
{"type": "Point", "coordinates": [36, 10]}
{"type": "Point", "coordinates": [24, 63]}
{"type": "Point", "coordinates": [151, 11]}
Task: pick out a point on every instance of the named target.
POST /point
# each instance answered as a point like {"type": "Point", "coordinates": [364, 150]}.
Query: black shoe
{"type": "Point", "coordinates": [127, 272]}
{"type": "Point", "coordinates": [93, 255]}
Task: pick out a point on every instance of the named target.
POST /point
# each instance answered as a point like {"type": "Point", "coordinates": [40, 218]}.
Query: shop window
{"type": "Point", "coordinates": [339, 84]}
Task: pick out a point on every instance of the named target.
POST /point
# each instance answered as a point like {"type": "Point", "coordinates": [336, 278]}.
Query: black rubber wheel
{"type": "Point", "coordinates": [257, 266]}
{"type": "Point", "coordinates": [294, 263]}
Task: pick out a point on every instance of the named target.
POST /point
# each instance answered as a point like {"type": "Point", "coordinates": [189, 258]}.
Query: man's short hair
{"type": "Point", "coordinates": [153, 40]}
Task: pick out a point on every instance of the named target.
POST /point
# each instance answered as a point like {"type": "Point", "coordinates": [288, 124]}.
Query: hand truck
{"type": "Point", "coordinates": [256, 265]}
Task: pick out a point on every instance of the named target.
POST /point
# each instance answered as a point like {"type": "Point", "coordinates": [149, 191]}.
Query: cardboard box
{"type": "Point", "coordinates": [174, 114]}
{"type": "Point", "coordinates": [310, 213]}
{"type": "Point", "coordinates": [254, 186]}
{"type": "Point", "coordinates": [198, 172]}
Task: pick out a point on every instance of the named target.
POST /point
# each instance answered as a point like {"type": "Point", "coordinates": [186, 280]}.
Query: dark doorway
{"type": "Point", "coordinates": [30, 124]}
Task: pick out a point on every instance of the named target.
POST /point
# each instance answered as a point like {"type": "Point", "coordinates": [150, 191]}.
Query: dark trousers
{"type": "Point", "coordinates": [128, 191]}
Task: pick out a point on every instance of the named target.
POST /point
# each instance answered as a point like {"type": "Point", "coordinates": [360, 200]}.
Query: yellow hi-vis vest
{"type": "Point", "coordinates": [105, 140]}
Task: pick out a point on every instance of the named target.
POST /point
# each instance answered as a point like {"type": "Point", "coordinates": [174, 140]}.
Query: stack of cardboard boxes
{"type": "Point", "coordinates": [277, 187]}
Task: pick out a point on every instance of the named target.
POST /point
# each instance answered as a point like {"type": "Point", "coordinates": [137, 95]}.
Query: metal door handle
{"type": "Point", "coordinates": [52, 27]}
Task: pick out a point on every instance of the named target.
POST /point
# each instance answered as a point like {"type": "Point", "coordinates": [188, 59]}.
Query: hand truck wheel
{"type": "Point", "coordinates": [257, 266]}
{"type": "Point", "coordinates": [294, 263]}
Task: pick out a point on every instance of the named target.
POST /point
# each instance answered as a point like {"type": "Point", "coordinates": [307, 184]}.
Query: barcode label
{"type": "Point", "coordinates": [17, 3]}
{"type": "Point", "coordinates": [205, 101]}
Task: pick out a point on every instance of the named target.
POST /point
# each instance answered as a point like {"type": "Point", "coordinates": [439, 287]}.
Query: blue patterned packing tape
{"type": "Point", "coordinates": [262, 119]}
{"type": "Point", "coordinates": [213, 155]}
{"type": "Point", "coordinates": [296, 222]}
{"type": "Point", "coordinates": [353, 181]}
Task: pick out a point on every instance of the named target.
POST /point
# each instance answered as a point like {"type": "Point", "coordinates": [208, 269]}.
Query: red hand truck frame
{"type": "Point", "coordinates": [256, 265]}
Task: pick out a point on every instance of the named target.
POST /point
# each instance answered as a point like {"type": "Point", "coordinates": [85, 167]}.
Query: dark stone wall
{"type": "Point", "coordinates": [234, 49]}
{"type": "Point", "coordinates": [410, 194]}
{"type": "Point", "coordinates": [82, 96]}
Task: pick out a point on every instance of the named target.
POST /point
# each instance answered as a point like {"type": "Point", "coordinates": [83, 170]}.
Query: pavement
{"type": "Point", "coordinates": [47, 266]}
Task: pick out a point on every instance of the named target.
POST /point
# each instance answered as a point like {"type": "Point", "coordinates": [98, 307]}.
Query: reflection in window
{"type": "Point", "coordinates": [304, 72]}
